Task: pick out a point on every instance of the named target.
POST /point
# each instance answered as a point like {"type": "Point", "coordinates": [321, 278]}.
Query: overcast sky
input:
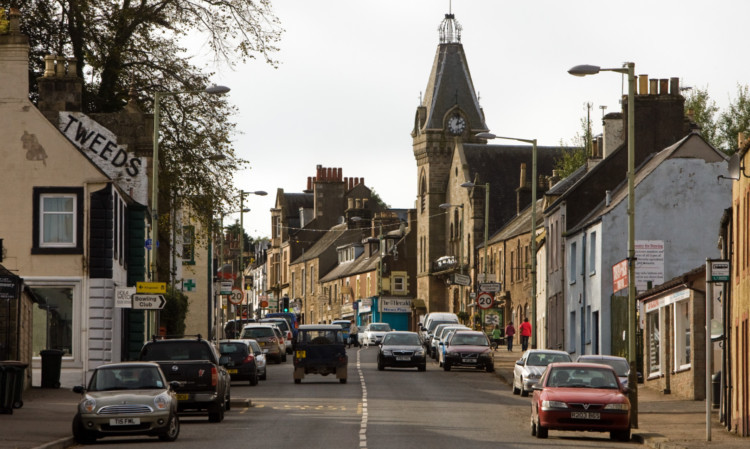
{"type": "Point", "coordinates": [352, 72]}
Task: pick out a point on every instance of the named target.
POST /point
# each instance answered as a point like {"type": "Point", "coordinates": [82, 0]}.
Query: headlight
{"type": "Point", "coordinates": [547, 405]}
{"type": "Point", "coordinates": [453, 354]}
{"type": "Point", "coordinates": [534, 376]}
{"type": "Point", "coordinates": [161, 402]}
{"type": "Point", "coordinates": [387, 352]}
{"type": "Point", "coordinates": [419, 353]}
{"type": "Point", "coordinates": [622, 406]}
{"type": "Point", "coordinates": [89, 405]}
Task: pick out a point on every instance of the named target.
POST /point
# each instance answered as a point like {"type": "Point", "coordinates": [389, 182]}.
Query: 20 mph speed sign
{"type": "Point", "coordinates": [236, 296]}
{"type": "Point", "coordinates": [485, 300]}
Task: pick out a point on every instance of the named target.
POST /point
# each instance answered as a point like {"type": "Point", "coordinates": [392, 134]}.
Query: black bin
{"type": "Point", "coordinates": [51, 366]}
{"type": "Point", "coordinates": [716, 390]}
{"type": "Point", "coordinates": [11, 385]}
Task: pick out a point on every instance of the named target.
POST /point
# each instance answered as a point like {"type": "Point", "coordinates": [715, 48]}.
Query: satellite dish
{"type": "Point", "coordinates": [734, 166]}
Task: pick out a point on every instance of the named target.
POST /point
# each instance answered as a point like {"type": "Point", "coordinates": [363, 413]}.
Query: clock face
{"type": "Point", "coordinates": [456, 125]}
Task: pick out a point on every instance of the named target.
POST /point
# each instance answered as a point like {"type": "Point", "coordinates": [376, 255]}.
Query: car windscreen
{"type": "Point", "coordinates": [319, 337]}
{"type": "Point", "coordinates": [233, 348]}
{"type": "Point", "coordinates": [433, 324]}
{"type": "Point", "coordinates": [166, 350]}
{"type": "Point", "coordinates": [582, 378]}
{"type": "Point", "coordinates": [469, 340]}
{"type": "Point", "coordinates": [255, 347]}
{"type": "Point", "coordinates": [129, 378]}
{"type": "Point", "coordinates": [621, 366]}
{"type": "Point", "coordinates": [280, 323]}
{"type": "Point", "coordinates": [401, 340]}
{"type": "Point", "coordinates": [257, 332]}
{"type": "Point", "coordinates": [545, 358]}
{"type": "Point", "coordinates": [380, 328]}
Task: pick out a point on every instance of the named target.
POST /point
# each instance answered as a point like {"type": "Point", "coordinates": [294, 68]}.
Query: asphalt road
{"type": "Point", "coordinates": [391, 409]}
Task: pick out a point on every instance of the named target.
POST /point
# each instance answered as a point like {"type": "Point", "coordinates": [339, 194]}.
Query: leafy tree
{"type": "Point", "coordinates": [126, 45]}
{"type": "Point", "coordinates": [172, 316]}
{"type": "Point", "coordinates": [573, 157]}
{"type": "Point", "coordinates": [734, 120]}
{"type": "Point", "coordinates": [702, 110]}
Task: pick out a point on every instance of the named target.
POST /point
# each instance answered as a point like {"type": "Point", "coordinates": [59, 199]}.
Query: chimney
{"type": "Point", "coordinates": [522, 184]}
{"type": "Point", "coordinates": [614, 133]}
{"type": "Point", "coordinates": [653, 86]}
{"type": "Point", "coordinates": [674, 87]}
{"type": "Point", "coordinates": [608, 197]}
{"type": "Point", "coordinates": [14, 60]}
{"type": "Point", "coordinates": [643, 84]}
{"type": "Point", "coordinates": [663, 87]}
{"type": "Point", "coordinates": [309, 183]}
{"type": "Point", "coordinates": [60, 89]}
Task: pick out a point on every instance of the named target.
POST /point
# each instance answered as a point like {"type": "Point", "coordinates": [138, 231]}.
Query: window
{"type": "Point", "coordinates": [188, 245]}
{"type": "Point", "coordinates": [399, 284]}
{"type": "Point", "coordinates": [292, 285]}
{"type": "Point", "coordinates": [58, 220]}
{"type": "Point", "coordinates": [303, 282]}
{"type": "Point", "coordinates": [572, 272]}
{"type": "Point", "coordinates": [592, 254]}
{"type": "Point", "coordinates": [682, 358]}
{"type": "Point", "coordinates": [55, 317]}
{"type": "Point", "coordinates": [654, 346]}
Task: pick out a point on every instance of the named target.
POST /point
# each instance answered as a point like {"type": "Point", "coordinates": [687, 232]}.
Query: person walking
{"type": "Point", "coordinates": [353, 338]}
{"type": "Point", "coordinates": [525, 329]}
{"type": "Point", "coordinates": [497, 335]}
{"type": "Point", "coordinates": [510, 331]}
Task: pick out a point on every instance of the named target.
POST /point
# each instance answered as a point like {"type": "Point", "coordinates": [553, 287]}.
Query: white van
{"type": "Point", "coordinates": [431, 322]}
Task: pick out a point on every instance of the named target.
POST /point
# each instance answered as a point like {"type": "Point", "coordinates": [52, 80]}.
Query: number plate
{"type": "Point", "coordinates": [301, 354]}
{"type": "Point", "coordinates": [183, 397]}
{"type": "Point", "coordinates": [469, 360]}
{"type": "Point", "coordinates": [124, 421]}
{"type": "Point", "coordinates": [403, 358]}
{"type": "Point", "coordinates": [232, 371]}
{"type": "Point", "coordinates": [584, 415]}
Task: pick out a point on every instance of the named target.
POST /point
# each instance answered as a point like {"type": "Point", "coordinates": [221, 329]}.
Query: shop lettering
{"type": "Point", "coordinates": [100, 145]}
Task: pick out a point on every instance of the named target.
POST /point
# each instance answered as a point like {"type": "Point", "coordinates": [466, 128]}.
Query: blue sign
{"type": "Point", "coordinates": [148, 244]}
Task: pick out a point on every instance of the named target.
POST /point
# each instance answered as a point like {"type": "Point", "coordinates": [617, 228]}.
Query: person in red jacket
{"type": "Point", "coordinates": [510, 331]}
{"type": "Point", "coordinates": [525, 329]}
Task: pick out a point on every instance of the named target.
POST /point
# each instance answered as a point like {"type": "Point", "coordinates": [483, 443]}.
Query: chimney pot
{"type": "Point", "coordinates": [72, 67]}
{"type": "Point", "coordinates": [675, 86]}
{"type": "Point", "coordinates": [643, 84]}
{"type": "Point", "coordinates": [664, 86]}
{"type": "Point", "coordinates": [653, 86]}
{"type": "Point", "coordinates": [59, 67]}
{"type": "Point", "coordinates": [49, 66]}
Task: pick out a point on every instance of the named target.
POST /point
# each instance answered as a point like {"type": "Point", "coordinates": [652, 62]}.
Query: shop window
{"type": "Point", "coordinates": [682, 359]}
{"type": "Point", "coordinates": [54, 316]}
{"type": "Point", "coordinates": [654, 344]}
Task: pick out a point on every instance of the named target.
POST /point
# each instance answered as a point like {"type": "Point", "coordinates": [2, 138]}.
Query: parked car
{"type": "Point", "coordinates": [619, 364]}
{"type": "Point", "coordinates": [438, 337]}
{"type": "Point", "coordinates": [260, 359]}
{"type": "Point", "coordinates": [204, 383]}
{"type": "Point", "coordinates": [373, 333]}
{"type": "Point", "coordinates": [268, 339]}
{"type": "Point", "coordinates": [529, 368]}
{"type": "Point", "coordinates": [123, 399]}
{"type": "Point", "coordinates": [431, 321]}
{"type": "Point", "coordinates": [469, 348]}
{"type": "Point", "coordinates": [401, 349]}
{"type": "Point", "coordinates": [290, 317]}
{"type": "Point", "coordinates": [320, 349]}
{"type": "Point", "coordinates": [242, 364]}
{"type": "Point", "coordinates": [286, 331]}
{"type": "Point", "coordinates": [580, 397]}
{"type": "Point", "coordinates": [447, 336]}
{"type": "Point", "coordinates": [232, 328]}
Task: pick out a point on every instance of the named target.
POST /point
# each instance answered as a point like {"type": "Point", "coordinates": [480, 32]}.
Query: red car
{"type": "Point", "coordinates": [582, 397]}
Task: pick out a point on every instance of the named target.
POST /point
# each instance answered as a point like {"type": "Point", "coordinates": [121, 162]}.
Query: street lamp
{"type": "Point", "coordinates": [533, 223]}
{"type": "Point", "coordinates": [486, 186]}
{"type": "Point", "coordinates": [213, 90]}
{"type": "Point", "coordinates": [629, 69]}
{"type": "Point", "coordinates": [461, 249]}
{"type": "Point", "coordinates": [242, 246]}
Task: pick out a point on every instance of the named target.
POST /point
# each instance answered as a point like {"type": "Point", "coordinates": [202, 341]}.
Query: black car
{"type": "Point", "coordinates": [242, 364]}
{"type": "Point", "coordinates": [320, 349]}
{"type": "Point", "coordinates": [401, 349]}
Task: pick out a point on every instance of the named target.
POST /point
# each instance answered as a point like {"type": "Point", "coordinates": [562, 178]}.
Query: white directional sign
{"type": "Point", "coordinates": [149, 302]}
{"type": "Point", "coordinates": [493, 287]}
{"type": "Point", "coordinates": [485, 300]}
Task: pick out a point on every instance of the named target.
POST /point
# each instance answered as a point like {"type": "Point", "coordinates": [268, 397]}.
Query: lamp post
{"type": "Point", "coordinates": [461, 249]}
{"type": "Point", "coordinates": [629, 69]}
{"type": "Point", "coordinates": [486, 186]}
{"type": "Point", "coordinates": [213, 90]}
{"type": "Point", "coordinates": [533, 224]}
{"type": "Point", "coordinates": [242, 246]}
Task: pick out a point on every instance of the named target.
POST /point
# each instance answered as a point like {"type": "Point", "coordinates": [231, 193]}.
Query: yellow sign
{"type": "Point", "coordinates": [151, 287]}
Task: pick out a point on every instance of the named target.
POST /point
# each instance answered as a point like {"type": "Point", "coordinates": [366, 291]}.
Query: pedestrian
{"type": "Point", "coordinates": [353, 330]}
{"type": "Point", "coordinates": [497, 335]}
{"type": "Point", "coordinates": [525, 329]}
{"type": "Point", "coordinates": [510, 331]}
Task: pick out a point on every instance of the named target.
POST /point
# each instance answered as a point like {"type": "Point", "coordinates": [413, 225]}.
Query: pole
{"type": "Point", "coordinates": [486, 232]}
{"type": "Point", "coordinates": [533, 245]}
{"type": "Point", "coordinates": [242, 252]}
{"type": "Point", "coordinates": [632, 381]}
{"type": "Point", "coordinates": [155, 187]}
{"type": "Point", "coordinates": [461, 254]}
{"type": "Point", "coordinates": [709, 352]}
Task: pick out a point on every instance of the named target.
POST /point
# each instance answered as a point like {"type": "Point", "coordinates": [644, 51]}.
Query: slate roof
{"type": "Point", "coordinates": [293, 202]}
{"type": "Point", "coordinates": [361, 264]}
{"type": "Point", "coordinates": [329, 240]}
{"type": "Point", "coordinates": [519, 225]}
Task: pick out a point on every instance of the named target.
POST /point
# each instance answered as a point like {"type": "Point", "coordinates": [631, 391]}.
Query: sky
{"type": "Point", "coordinates": [352, 73]}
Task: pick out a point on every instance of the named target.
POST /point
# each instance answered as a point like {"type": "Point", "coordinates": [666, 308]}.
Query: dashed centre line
{"type": "Point", "coordinates": [363, 423]}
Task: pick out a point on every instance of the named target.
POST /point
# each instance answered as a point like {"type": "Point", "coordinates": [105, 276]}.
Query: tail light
{"type": "Point", "coordinates": [248, 359]}
{"type": "Point", "coordinates": [288, 335]}
{"type": "Point", "coordinates": [214, 376]}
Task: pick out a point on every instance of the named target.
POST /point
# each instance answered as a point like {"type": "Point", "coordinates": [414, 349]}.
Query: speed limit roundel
{"type": "Point", "coordinates": [236, 296]}
{"type": "Point", "coordinates": [485, 300]}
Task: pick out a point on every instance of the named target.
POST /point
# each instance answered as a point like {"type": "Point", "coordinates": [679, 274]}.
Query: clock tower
{"type": "Point", "coordinates": [449, 113]}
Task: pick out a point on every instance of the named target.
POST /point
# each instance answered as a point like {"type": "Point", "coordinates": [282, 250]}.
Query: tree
{"type": "Point", "coordinates": [702, 110]}
{"type": "Point", "coordinates": [573, 157]}
{"type": "Point", "coordinates": [172, 316]}
{"type": "Point", "coordinates": [734, 120]}
{"type": "Point", "coordinates": [125, 45]}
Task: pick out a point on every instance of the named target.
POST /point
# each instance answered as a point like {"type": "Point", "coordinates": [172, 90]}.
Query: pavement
{"type": "Point", "coordinates": [664, 421]}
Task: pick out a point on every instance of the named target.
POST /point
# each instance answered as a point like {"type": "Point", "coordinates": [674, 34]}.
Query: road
{"type": "Point", "coordinates": [391, 409]}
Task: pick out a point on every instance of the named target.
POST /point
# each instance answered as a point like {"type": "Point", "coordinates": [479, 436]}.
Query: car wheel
{"type": "Point", "coordinates": [342, 381]}
{"type": "Point", "coordinates": [533, 428]}
{"type": "Point", "coordinates": [173, 429]}
{"type": "Point", "coordinates": [81, 435]}
{"type": "Point", "coordinates": [298, 381]}
{"type": "Point", "coordinates": [490, 367]}
{"type": "Point", "coordinates": [524, 393]}
{"type": "Point", "coordinates": [263, 376]}
{"type": "Point", "coordinates": [422, 368]}
{"type": "Point", "coordinates": [620, 435]}
{"type": "Point", "coordinates": [446, 366]}
{"type": "Point", "coordinates": [515, 390]}
{"type": "Point", "coordinates": [283, 358]}
{"type": "Point", "coordinates": [254, 380]}
{"type": "Point", "coordinates": [216, 416]}
{"type": "Point", "coordinates": [228, 403]}
{"type": "Point", "coordinates": [541, 432]}
{"type": "Point", "coordinates": [381, 367]}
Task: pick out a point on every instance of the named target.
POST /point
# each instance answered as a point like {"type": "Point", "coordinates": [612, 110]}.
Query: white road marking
{"type": "Point", "coordinates": [363, 424]}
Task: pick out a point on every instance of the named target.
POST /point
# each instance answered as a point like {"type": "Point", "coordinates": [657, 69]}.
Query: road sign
{"type": "Point", "coordinates": [461, 279]}
{"type": "Point", "coordinates": [151, 287]}
{"type": "Point", "coordinates": [148, 302]}
{"type": "Point", "coordinates": [491, 318]}
{"type": "Point", "coordinates": [491, 287]}
{"type": "Point", "coordinates": [236, 296]}
{"type": "Point", "coordinates": [485, 300]}
{"type": "Point", "coordinates": [719, 271]}
{"type": "Point", "coordinates": [226, 288]}
{"type": "Point", "coordinates": [264, 304]}
{"type": "Point", "coordinates": [124, 297]}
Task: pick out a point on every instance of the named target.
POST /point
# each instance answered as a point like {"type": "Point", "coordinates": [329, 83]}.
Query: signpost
{"type": "Point", "coordinates": [485, 300]}
{"type": "Point", "coordinates": [226, 288]}
{"type": "Point", "coordinates": [490, 287]}
{"type": "Point", "coordinates": [461, 279]}
{"type": "Point", "coordinates": [124, 297]}
{"type": "Point", "coordinates": [148, 302]}
{"type": "Point", "coordinates": [236, 296]}
{"type": "Point", "coordinates": [151, 287]}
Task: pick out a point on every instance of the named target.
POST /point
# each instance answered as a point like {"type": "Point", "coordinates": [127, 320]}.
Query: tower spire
{"type": "Point", "coordinates": [450, 30]}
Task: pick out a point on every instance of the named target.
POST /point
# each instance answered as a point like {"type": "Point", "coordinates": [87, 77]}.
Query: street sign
{"type": "Point", "coordinates": [148, 302]}
{"type": "Point", "coordinates": [264, 304]}
{"type": "Point", "coordinates": [719, 271]}
{"type": "Point", "coordinates": [485, 300]}
{"type": "Point", "coordinates": [461, 279]}
{"type": "Point", "coordinates": [124, 297]}
{"type": "Point", "coordinates": [491, 318]}
{"type": "Point", "coordinates": [236, 296]}
{"type": "Point", "coordinates": [226, 288]}
{"type": "Point", "coordinates": [151, 287]}
{"type": "Point", "coordinates": [491, 287]}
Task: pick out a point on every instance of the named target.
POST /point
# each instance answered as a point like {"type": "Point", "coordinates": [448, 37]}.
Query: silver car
{"type": "Point", "coordinates": [260, 359]}
{"type": "Point", "coordinates": [620, 364]}
{"type": "Point", "coordinates": [123, 399]}
{"type": "Point", "coordinates": [373, 333]}
{"type": "Point", "coordinates": [531, 365]}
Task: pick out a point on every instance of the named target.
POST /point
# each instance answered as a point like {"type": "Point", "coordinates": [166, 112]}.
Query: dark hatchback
{"type": "Point", "coordinates": [401, 349]}
{"type": "Point", "coordinates": [242, 365]}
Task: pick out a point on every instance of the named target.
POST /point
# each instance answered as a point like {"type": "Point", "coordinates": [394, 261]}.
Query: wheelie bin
{"type": "Point", "coordinates": [11, 385]}
{"type": "Point", "coordinates": [51, 366]}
